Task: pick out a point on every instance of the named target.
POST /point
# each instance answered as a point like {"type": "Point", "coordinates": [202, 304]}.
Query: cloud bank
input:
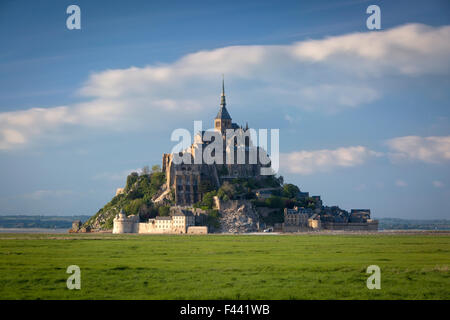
{"type": "Point", "coordinates": [433, 150]}
{"type": "Point", "coordinates": [326, 75]}
{"type": "Point", "coordinates": [425, 149]}
{"type": "Point", "coordinates": [309, 162]}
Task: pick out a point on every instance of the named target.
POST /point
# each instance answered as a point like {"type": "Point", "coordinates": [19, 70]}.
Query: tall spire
{"type": "Point", "coordinates": [222, 97]}
{"type": "Point", "coordinates": [223, 112]}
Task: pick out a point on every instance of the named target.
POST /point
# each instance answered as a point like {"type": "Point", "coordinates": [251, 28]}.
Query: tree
{"type": "Point", "coordinates": [131, 179]}
{"type": "Point", "coordinates": [133, 207]}
{"type": "Point", "coordinates": [163, 211]}
{"type": "Point", "coordinates": [157, 179]}
{"type": "Point", "coordinates": [213, 219]}
{"type": "Point", "coordinates": [274, 202]}
{"type": "Point", "coordinates": [145, 170]}
{"type": "Point", "coordinates": [290, 191]}
{"type": "Point", "coordinates": [272, 182]}
{"type": "Point", "coordinates": [226, 191]}
{"type": "Point", "coordinates": [156, 168]}
{"type": "Point", "coordinates": [208, 200]}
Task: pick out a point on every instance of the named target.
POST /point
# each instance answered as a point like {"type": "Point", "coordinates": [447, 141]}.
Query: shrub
{"type": "Point", "coordinates": [227, 191]}
{"type": "Point", "coordinates": [275, 202]}
{"type": "Point", "coordinates": [131, 179]}
{"type": "Point", "coordinates": [273, 217]}
{"type": "Point", "coordinates": [163, 211]}
{"type": "Point", "coordinates": [208, 199]}
{"type": "Point", "coordinates": [290, 191]}
{"type": "Point", "coordinates": [272, 182]}
{"type": "Point", "coordinates": [156, 168]}
{"type": "Point", "coordinates": [133, 206]}
{"type": "Point", "coordinates": [213, 219]}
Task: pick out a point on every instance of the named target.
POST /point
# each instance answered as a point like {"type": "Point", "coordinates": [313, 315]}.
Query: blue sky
{"type": "Point", "coordinates": [363, 115]}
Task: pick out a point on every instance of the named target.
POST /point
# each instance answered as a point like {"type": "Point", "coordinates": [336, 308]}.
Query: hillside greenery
{"type": "Point", "coordinates": [136, 199]}
{"type": "Point", "coordinates": [283, 195]}
{"type": "Point", "coordinates": [140, 189]}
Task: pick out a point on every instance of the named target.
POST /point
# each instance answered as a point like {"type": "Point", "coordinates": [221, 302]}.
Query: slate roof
{"type": "Point", "coordinates": [163, 218]}
{"type": "Point", "coordinates": [223, 113]}
{"type": "Point", "coordinates": [181, 212]}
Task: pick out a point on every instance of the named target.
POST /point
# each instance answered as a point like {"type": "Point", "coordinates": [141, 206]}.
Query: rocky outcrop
{"type": "Point", "coordinates": [237, 216]}
{"type": "Point", "coordinates": [163, 196]}
{"type": "Point", "coordinates": [103, 219]}
{"type": "Point", "coordinates": [77, 227]}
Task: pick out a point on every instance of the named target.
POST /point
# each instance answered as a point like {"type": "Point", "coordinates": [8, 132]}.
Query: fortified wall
{"type": "Point", "coordinates": [180, 221]}
{"type": "Point", "coordinates": [124, 224]}
{"type": "Point", "coordinates": [370, 225]}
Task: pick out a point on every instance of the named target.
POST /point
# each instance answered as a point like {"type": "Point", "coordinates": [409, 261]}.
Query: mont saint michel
{"type": "Point", "coordinates": [214, 156]}
{"type": "Point", "coordinates": [238, 193]}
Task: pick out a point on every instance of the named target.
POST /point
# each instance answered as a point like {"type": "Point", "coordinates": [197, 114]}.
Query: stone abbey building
{"type": "Point", "coordinates": [190, 178]}
{"type": "Point", "coordinates": [223, 153]}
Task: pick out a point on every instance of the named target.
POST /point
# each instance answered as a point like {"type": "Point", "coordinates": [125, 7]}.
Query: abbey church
{"type": "Point", "coordinates": [194, 176]}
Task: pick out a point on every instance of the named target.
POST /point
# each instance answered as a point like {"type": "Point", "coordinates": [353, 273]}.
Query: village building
{"type": "Point", "coordinates": [180, 221]}
{"type": "Point", "coordinates": [296, 219]}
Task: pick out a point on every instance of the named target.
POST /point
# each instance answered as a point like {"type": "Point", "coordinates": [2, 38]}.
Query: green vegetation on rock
{"type": "Point", "coordinates": [136, 199]}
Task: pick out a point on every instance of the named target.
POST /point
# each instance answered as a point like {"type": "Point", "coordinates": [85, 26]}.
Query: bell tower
{"type": "Point", "coordinates": [222, 121]}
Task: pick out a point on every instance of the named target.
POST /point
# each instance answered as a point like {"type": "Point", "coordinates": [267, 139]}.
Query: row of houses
{"type": "Point", "coordinates": [305, 219]}
{"type": "Point", "coordinates": [180, 221]}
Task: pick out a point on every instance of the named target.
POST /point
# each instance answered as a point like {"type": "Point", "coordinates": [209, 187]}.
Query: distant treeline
{"type": "Point", "coordinates": [408, 224]}
{"type": "Point", "coordinates": [53, 222]}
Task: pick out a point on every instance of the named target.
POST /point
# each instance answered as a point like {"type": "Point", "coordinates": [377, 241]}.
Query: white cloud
{"type": "Point", "coordinates": [308, 162]}
{"type": "Point", "coordinates": [342, 95]}
{"type": "Point", "coordinates": [410, 49]}
{"type": "Point", "coordinates": [329, 75]}
{"type": "Point", "coordinates": [426, 149]}
{"type": "Point", "coordinates": [438, 184]}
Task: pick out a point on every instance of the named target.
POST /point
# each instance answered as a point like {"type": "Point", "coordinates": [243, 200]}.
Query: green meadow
{"type": "Point", "coordinates": [309, 266]}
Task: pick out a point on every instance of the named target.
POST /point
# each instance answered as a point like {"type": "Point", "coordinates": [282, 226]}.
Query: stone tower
{"type": "Point", "coordinates": [222, 121]}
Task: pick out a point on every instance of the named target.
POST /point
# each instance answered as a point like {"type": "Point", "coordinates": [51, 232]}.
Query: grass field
{"type": "Point", "coordinates": [224, 266]}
